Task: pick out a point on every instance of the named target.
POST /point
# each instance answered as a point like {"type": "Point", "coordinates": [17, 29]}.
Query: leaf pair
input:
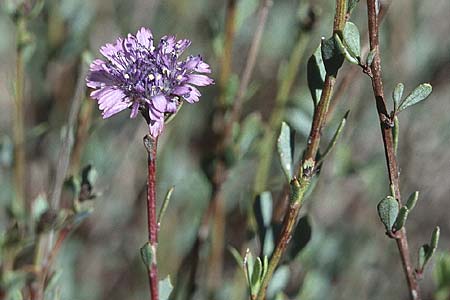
{"type": "Point", "coordinates": [420, 93]}
{"type": "Point", "coordinates": [427, 250]}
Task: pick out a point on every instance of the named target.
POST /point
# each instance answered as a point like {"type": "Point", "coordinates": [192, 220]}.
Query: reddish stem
{"type": "Point", "coordinates": [391, 159]}
{"type": "Point", "coordinates": [151, 146]}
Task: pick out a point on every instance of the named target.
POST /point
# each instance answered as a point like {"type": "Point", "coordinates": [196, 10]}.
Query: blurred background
{"type": "Point", "coordinates": [348, 256]}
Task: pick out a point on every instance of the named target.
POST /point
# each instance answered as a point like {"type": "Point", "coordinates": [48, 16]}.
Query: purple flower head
{"type": "Point", "coordinates": [144, 77]}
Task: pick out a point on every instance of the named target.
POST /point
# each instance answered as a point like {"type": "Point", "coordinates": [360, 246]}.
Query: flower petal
{"type": "Point", "coordinates": [193, 95]}
{"type": "Point", "coordinates": [159, 102]}
{"type": "Point", "coordinates": [115, 109]}
{"type": "Point", "coordinates": [134, 109]}
{"type": "Point", "coordinates": [199, 80]}
{"type": "Point", "coordinates": [145, 37]}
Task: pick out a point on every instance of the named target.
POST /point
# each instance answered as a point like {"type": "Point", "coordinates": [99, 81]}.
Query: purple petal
{"type": "Point", "coordinates": [202, 67]}
{"type": "Point", "coordinates": [199, 80]}
{"type": "Point", "coordinates": [167, 43]}
{"type": "Point", "coordinates": [171, 107]}
{"type": "Point", "coordinates": [181, 90]}
{"type": "Point", "coordinates": [192, 62]}
{"type": "Point", "coordinates": [155, 114]}
{"type": "Point", "coordinates": [115, 109]}
{"type": "Point", "coordinates": [145, 37]}
{"type": "Point", "coordinates": [181, 45]}
{"type": "Point", "coordinates": [159, 102]}
{"type": "Point", "coordinates": [134, 109]}
{"type": "Point", "coordinates": [97, 79]}
{"type": "Point", "coordinates": [109, 98]}
{"type": "Point", "coordinates": [156, 127]}
{"type": "Point", "coordinates": [193, 95]}
{"type": "Point", "coordinates": [108, 50]}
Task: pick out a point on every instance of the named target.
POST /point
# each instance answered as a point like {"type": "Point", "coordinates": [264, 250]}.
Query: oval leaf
{"type": "Point", "coordinates": [352, 39]}
{"type": "Point", "coordinates": [412, 200]}
{"type": "Point", "coordinates": [165, 287]}
{"type": "Point", "coordinates": [401, 219]}
{"type": "Point", "coordinates": [397, 94]}
{"type": "Point", "coordinates": [285, 150]}
{"type": "Point", "coordinates": [316, 75]}
{"type": "Point", "coordinates": [420, 93]}
{"type": "Point", "coordinates": [332, 56]}
{"type": "Point", "coordinates": [388, 211]}
{"type": "Point", "coordinates": [435, 237]}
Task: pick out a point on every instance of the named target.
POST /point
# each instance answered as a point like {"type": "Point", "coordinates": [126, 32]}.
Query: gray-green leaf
{"type": "Point", "coordinates": [332, 56]}
{"type": "Point", "coordinates": [412, 200]}
{"type": "Point", "coordinates": [316, 75]}
{"type": "Point", "coordinates": [435, 237]}
{"type": "Point", "coordinates": [165, 287]}
{"type": "Point", "coordinates": [147, 254]}
{"type": "Point", "coordinates": [420, 93]}
{"type": "Point", "coordinates": [401, 219]}
{"type": "Point", "coordinates": [352, 39]}
{"type": "Point", "coordinates": [256, 275]}
{"type": "Point", "coordinates": [285, 150]}
{"type": "Point", "coordinates": [397, 94]}
{"type": "Point", "coordinates": [370, 57]}
{"type": "Point", "coordinates": [388, 211]}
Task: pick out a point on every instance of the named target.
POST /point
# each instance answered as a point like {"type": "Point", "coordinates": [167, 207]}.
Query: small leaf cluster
{"type": "Point", "coordinates": [21, 245]}
{"type": "Point", "coordinates": [394, 218]}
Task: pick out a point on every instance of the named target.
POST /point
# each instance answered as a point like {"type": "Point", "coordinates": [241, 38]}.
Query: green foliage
{"type": "Point", "coordinates": [147, 254]}
{"type": "Point", "coordinates": [351, 40]}
{"type": "Point", "coordinates": [388, 211]}
{"type": "Point", "coordinates": [401, 218]}
{"type": "Point", "coordinates": [412, 200]}
{"type": "Point", "coordinates": [250, 131]}
{"type": "Point", "coordinates": [420, 93]}
{"type": "Point", "coordinates": [370, 57]}
{"type": "Point", "coordinates": [442, 276]}
{"type": "Point", "coordinates": [165, 204]}
{"type": "Point", "coordinates": [332, 56]}
{"type": "Point", "coordinates": [300, 238]}
{"type": "Point", "coordinates": [255, 269]}
{"type": "Point", "coordinates": [285, 150]}
{"type": "Point", "coordinates": [263, 209]}
{"type": "Point", "coordinates": [335, 138]}
{"type": "Point", "coordinates": [397, 95]}
{"type": "Point", "coordinates": [316, 75]}
{"type": "Point", "coordinates": [426, 251]}
{"type": "Point", "coordinates": [165, 288]}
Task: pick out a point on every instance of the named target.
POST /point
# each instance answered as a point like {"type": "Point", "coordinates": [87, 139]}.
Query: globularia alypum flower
{"type": "Point", "coordinates": [145, 77]}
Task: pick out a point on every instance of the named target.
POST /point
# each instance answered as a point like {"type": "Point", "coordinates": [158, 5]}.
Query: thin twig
{"type": "Point", "coordinates": [388, 141]}
{"type": "Point", "coordinates": [221, 170]}
{"type": "Point", "coordinates": [60, 174]}
{"type": "Point", "coordinates": [305, 173]}
{"type": "Point", "coordinates": [68, 140]}
{"type": "Point", "coordinates": [230, 29]}
{"type": "Point", "coordinates": [251, 59]}
{"type": "Point", "coordinates": [349, 76]}
{"type": "Point", "coordinates": [82, 134]}
{"type": "Point", "coordinates": [19, 121]}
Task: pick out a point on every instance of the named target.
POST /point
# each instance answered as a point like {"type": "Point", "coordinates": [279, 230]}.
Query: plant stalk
{"type": "Point", "coordinates": [389, 149]}
{"type": "Point", "coordinates": [19, 121]}
{"type": "Point", "coordinates": [306, 168]}
{"type": "Point", "coordinates": [152, 225]}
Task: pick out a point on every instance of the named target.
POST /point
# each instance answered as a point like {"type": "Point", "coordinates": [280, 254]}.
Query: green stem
{"type": "Point", "coordinates": [19, 121]}
{"type": "Point", "coordinates": [300, 185]}
{"type": "Point", "coordinates": [290, 220]}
